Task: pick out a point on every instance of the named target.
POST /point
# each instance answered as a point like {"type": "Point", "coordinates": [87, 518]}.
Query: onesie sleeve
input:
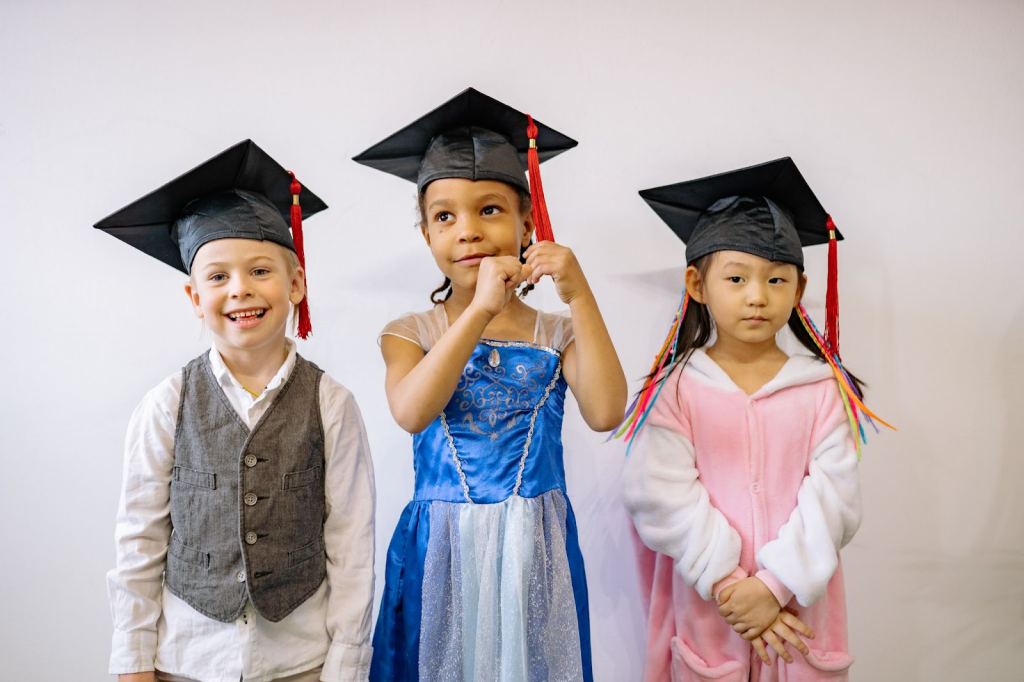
{"type": "Point", "coordinates": [800, 562]}
{"type": "Point", "coordinates": [142, 530]}
{"type": "Point", "coordinates": [348, 535]}
{"type": "Point", "coordinates": [671, 509]}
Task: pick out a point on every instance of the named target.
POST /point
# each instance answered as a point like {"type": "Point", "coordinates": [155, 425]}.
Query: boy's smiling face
{"type": "Point", "coordinates": [244, 289]}
{"type": "Point", "coordinates": [469, 220]}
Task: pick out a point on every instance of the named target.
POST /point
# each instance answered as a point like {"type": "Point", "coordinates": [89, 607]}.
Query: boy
{"type": "Point", "coordinates": [245, 527]}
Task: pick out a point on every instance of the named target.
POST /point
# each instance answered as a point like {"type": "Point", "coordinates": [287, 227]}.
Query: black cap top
{"type": "Point", "coordinates": [241, 193]}
{"type": "Point", "coordinates": [470, 136]}
{"type": "Point", "coordinates": [766, 210]}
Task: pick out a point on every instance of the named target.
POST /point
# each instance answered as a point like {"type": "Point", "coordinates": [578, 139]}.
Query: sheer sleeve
{"type": "Point", "coordinates": [553, 330]}
{"type": "Point", "coordinates": [424, 329]}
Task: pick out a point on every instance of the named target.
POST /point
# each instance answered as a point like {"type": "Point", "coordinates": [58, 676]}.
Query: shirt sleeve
{"type": "Point", "coordinates": [142, 531]}
{"type": "Point", "coordinates": [671, 509]}
{"type": "Point", "coordinates": [348, 535]}
{"type": "Point", "coordinates": [800, 562]}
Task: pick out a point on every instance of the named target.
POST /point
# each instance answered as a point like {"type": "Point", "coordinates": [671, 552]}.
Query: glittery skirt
{"type": "Point", "coordinates": [502, 594]}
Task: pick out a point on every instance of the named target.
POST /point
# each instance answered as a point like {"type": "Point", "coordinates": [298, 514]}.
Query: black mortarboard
{"type": "Point", "coordinates": [768, 210]}
{"type": "Point", "coordinates": [475, 137]}
{"type": "Point", "coordinates": [231, 195]}
{"type": "Point", "coordinates": [241, 193]}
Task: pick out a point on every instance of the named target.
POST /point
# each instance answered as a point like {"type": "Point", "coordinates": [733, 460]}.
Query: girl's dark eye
{"type": "Point", "coordinates": [443, 217]}
{"type": "Point", "coordinates": [736, 280]}
{"type": "Point", "coordinates": [491, 210]}
{"type": "Point", "coordinates": [776, 280]}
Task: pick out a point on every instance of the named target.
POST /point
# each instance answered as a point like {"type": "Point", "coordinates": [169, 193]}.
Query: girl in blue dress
{"type": "Point", "coordinates": [484, 577]}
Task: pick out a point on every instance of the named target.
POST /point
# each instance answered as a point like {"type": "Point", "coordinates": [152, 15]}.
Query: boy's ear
{"type": "Point", "coordinates": [694, 285]}
{"type": "Point", "coordinates": [426, 234]}
{"type": "Point", "coordinates": [298, 286]}
{"type": "Point", "coordinates": [193, 298]}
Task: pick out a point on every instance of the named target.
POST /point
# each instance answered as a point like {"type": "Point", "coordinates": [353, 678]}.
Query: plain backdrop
{"type": "Point", "coordinates": [906, 117]}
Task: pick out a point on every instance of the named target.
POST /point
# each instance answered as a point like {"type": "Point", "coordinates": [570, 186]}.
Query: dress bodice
{"type": "Point", "coordinates": [500, 434]}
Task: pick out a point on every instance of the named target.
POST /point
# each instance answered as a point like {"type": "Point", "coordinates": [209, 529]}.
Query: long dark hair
{"type": "Point", "coordinates": [697, 325]}
{"type": "Point", "coordinates": [444, 292]}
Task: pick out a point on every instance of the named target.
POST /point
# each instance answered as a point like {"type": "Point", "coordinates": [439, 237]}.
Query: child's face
{"type": "Point", "coordinates": [469, 220]}
{"type": "Point", "coordinates": [243, 289]}
{"type": "Point", "coordinates": [749, 297]}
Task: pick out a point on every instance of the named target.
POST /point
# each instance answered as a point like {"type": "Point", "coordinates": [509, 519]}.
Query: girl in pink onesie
{"type": "Point", "coordinates": [742, 477]}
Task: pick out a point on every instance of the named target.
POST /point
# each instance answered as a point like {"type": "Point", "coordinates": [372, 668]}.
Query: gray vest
{"type": "Point", "coordinates": [247, 507]}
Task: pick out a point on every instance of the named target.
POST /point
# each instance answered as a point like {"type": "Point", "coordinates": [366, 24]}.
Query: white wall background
{"type": "Point", "coordinates": [905, 116]}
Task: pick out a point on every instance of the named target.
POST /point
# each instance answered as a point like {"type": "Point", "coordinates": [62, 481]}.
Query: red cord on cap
{"type": "Point", "coordinates": [832, 292]}
{"type": "Point", "coordinates": [305, 328]}
{"type": "Point", "coordinates": [541, 221]}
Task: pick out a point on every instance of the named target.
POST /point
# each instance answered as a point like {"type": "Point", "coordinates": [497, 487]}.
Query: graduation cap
{"type": "Point", "coordinates": [767, 210]}
{"type": "Point", "coordinates": [241, 193]}
{"type": "Point", "coordinates": [475, 137]}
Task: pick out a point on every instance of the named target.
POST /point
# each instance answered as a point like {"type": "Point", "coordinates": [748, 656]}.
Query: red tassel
{"type": "Point", "coordinates": [541, 221]}
{"type": "Point", "coordinates": [305, 328]}
{"type": "Point", "coordinates": [832, 292]}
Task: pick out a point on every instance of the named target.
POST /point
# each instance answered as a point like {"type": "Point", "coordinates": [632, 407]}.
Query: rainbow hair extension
{"type": "Point", "coordinates": [853, 401]}
{"type": "Point", "coordinates": [637, 413]}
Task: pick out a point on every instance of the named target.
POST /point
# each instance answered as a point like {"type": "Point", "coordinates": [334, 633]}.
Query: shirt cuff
{"type": "Point", "coordinates": [347, 663]}
{"type": "Point", "coordinates": [737, 575]}
{"type": "Point", "coordinates": [781, 592]}
{"type": "Point", "coordinates": [133, 652]}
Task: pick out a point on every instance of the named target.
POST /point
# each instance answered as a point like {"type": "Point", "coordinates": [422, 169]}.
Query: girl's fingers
{"type": "Point", "coordinates": [780, 648]}
{"type": "Point", "coordinates": [780, 629]}
{"type": "Point", "coordinates": [795, 623]}
{"type": "Point", "coordinates": [760, 649]}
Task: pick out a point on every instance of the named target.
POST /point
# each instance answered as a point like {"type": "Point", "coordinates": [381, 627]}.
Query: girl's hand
{"type": "Point", "coordinates": [749, 607]}
{"type": "Point", "coordinates": [496, 281]}
{"type": "Point", "coordinates": [783, 627]}
{"type": "Point", "coordinates": [558, 262]}
{"type": "Point", "coordinates": [137, 677]}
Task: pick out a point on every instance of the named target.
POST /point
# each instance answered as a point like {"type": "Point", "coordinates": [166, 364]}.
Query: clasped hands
{"type": "Point", "coordinates": [754, 612]}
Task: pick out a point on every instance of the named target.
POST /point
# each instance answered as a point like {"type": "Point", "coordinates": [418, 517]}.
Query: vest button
{"type": "Point", "coordinates": [250, 538]}
{"type": "Point", "coordinates": [240, 576]}
{"type": "Point", "coordinates": [250, 499]}
{"type": "Point", "coordinates": [250, 461]}
{"type": "Point", "coordinates": [755, 487]}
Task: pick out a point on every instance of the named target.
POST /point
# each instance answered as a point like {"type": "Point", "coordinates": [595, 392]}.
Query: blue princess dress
{"type": "Point", "coordinates": [484, 577]}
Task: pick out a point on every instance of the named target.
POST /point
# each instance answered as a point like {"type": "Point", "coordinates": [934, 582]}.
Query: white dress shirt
{"type": "Point", "coordinates": [155, 629]}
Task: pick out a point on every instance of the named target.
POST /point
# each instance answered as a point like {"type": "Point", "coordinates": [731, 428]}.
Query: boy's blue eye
{"type": "Point", "coordinates": [218, 277]}
{"type": "Point", "coordinates": [261, 271]}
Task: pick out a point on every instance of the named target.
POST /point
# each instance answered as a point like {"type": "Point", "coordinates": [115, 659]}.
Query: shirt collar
{"type": "Point", "coordinates": [225, 378]}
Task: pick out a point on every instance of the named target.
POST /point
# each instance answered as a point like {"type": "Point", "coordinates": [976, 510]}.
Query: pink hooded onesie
{"type": "Point", "coordinates": [722, 485]}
